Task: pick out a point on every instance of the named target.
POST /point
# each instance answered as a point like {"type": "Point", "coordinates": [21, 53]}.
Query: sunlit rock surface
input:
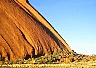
{"type": "Point", "coordinates": [24, 34]}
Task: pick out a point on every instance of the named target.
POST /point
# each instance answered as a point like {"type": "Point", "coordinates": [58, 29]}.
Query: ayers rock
{"type": "Point", "coordinates": [25, 33]}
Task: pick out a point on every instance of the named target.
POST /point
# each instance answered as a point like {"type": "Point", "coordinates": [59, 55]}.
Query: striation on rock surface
{"type": "Point", "coordinates": [24, 33]}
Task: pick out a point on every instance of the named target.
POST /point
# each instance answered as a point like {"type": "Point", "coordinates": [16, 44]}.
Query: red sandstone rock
{"type": "Point", "coordinates": [24, 36]}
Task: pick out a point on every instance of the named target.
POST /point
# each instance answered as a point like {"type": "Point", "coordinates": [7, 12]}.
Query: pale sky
{"type": "Point", "coordinates": [74, 20]}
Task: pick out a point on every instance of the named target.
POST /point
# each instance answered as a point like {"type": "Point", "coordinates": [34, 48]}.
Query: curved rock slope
{"type": "Point", "coordinates": [24, 33]}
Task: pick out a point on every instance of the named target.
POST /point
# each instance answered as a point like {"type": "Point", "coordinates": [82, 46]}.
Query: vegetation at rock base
{"type": "Point", "coordinates": [59, 57]}
{"type": "Point", "coordinates": [65, 57]}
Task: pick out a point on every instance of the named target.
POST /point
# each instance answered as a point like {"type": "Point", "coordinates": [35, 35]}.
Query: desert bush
{"type": "Point", "coordinates": [72, 59]}
{"type": "Point", "coordinates": [10, 62]}
{"type": "Point", "coordinates": [1, 63]}
{"type": "Point", "coordinates": [93, 57]}
{"type": "Point", "coordinates": [19, 61]}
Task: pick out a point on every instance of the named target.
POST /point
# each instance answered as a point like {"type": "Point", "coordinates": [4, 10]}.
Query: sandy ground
{"type": "Point", "coordinates": [90, 64]}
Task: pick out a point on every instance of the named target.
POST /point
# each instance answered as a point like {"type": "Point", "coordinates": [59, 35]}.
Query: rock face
{"type": "Point", "coordinates": [23, 34]}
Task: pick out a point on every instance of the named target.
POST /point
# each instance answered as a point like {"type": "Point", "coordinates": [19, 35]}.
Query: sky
{"type": "Point", "coordinates": [74, 20]}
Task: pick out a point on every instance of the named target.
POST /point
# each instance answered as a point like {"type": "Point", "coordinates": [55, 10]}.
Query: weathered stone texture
{"type": "Point", "coordinates": [21, 35]}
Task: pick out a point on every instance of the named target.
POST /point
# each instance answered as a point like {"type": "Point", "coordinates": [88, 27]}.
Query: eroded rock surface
{"type": "Point", "coordinates": [24, 36]}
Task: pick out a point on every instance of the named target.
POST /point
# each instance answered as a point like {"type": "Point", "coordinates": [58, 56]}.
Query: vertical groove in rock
{"type": "Point", "coordinates": [5, 45]}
